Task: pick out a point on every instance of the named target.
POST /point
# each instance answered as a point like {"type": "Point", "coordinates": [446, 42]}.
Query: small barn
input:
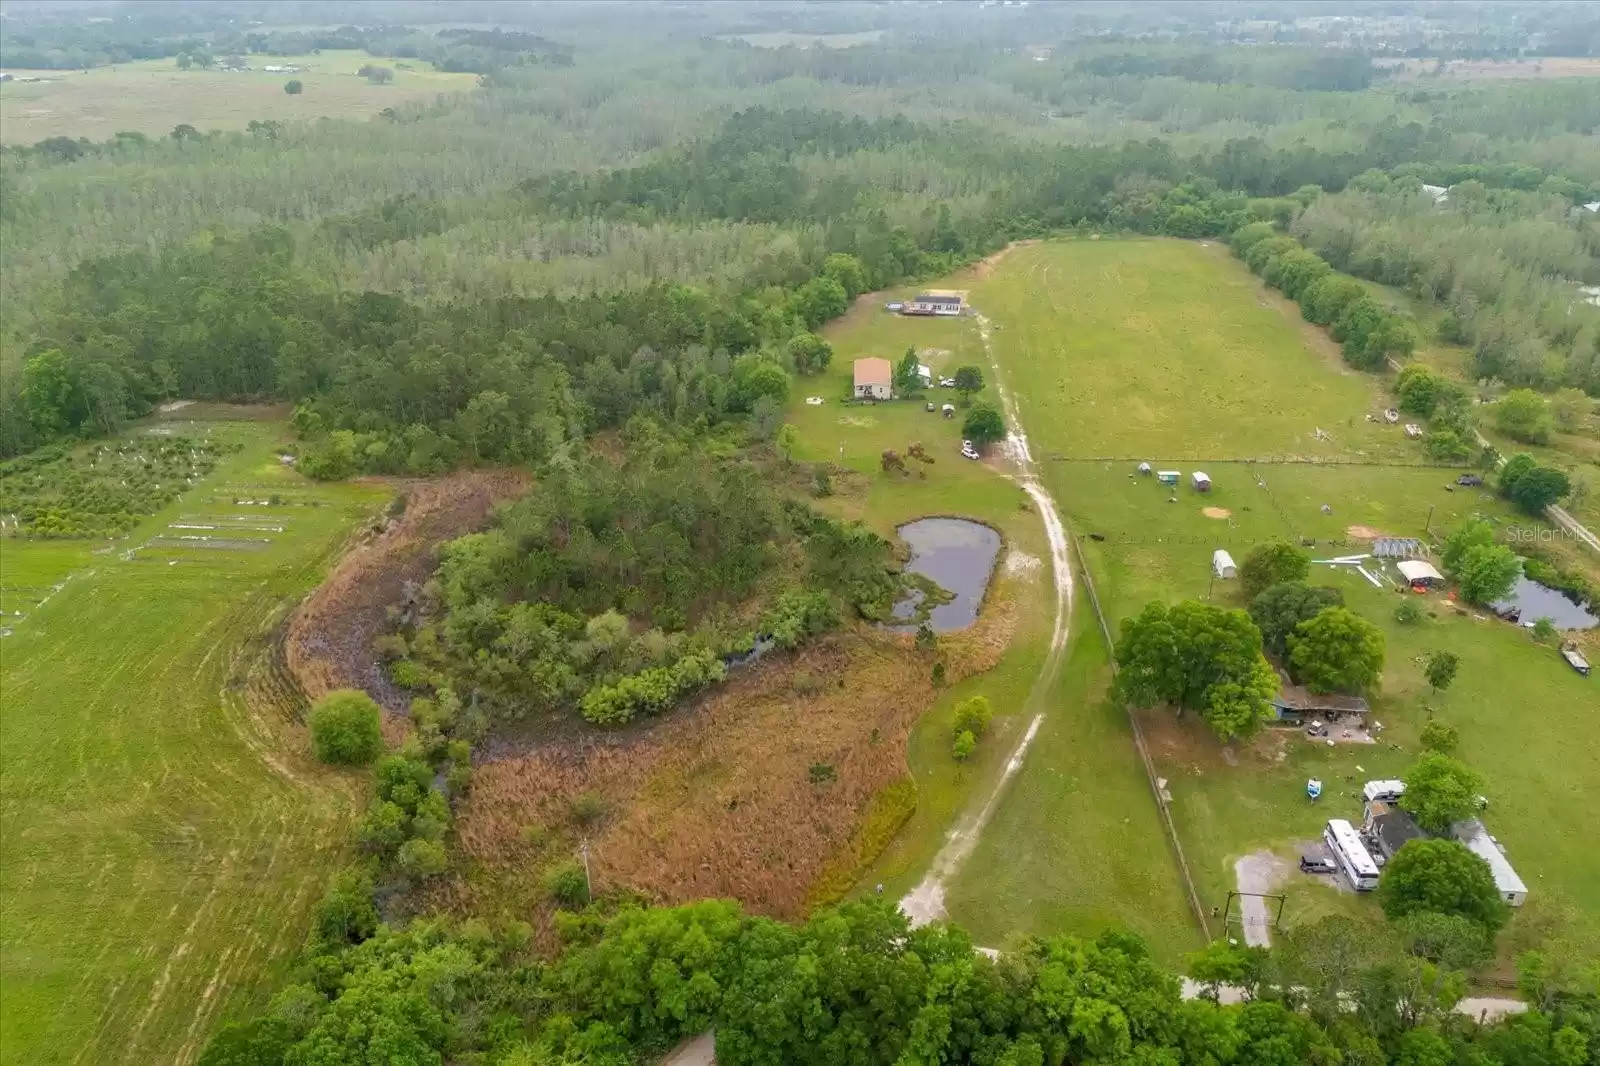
{"type": "Point", "coordinates": [1201, 481]}
{"type": "Point", "coordinates": [1222, 565]}
{"type": "Point", "coordinates": [1420, 575]}
{"type": "Point", "coordinates": [874, 379]}
{"type": "Point", "coordinates": [1167, 477]}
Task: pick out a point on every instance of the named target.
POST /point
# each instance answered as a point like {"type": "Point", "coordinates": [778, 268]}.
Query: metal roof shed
{"type": "Point", "coordinates": [1222, 564]}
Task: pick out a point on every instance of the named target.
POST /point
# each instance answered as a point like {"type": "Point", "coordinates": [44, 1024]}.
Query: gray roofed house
{"type": "Point", "coordinates": [1391, 827]}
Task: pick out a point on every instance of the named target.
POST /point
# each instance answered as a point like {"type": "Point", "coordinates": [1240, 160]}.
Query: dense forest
{"type": "Point", "coordinates": [829, 205]}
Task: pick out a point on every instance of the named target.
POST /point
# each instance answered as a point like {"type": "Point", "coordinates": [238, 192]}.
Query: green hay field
{"type": "Point", "coordinates": [1103, 367]}
{"type": "Point", "coordinates": [165, 835]}
{"type": "Point", "coordinates": [153, 96]}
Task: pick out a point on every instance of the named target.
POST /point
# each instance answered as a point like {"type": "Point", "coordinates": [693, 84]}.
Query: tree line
{"type": "Point", "coordinates": [856, 986]}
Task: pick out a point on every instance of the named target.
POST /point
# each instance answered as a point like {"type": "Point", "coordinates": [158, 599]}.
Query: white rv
{"type": "Point", "coordinates": [1355, 862]}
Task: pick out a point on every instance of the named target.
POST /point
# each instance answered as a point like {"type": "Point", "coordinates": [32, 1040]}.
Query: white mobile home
{"type": "Point", "coordinates": [1478, 841]}
{"type": "Point", "coordinates": [1352, 856]}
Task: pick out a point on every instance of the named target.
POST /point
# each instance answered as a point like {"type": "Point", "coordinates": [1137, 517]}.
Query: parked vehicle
{"type": "Point", "coordinates": [968, 450]}
{"type": "Point", "coordinates": [1318, 864]}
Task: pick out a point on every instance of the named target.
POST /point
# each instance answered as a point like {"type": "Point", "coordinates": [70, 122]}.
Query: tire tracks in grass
{"type": "Point", "coordinates": [925, 902]}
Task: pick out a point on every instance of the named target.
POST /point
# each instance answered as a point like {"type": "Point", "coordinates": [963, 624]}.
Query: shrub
{"type": "Point", "coordinates": [1544, 630]}
{"type": "Point", "coordinates": [588, 808]}
{"type": "Point", "coordinates": [1441, 737]}
{"type": "Point", "coordinates": [965, 744]}
{"type": "Point", "coordinates": [420, 858]}
{"type": "Point", "coordinates": [973, 715]}
{"type": "Point", "coordinates": [383, 829]}
{"type": "Point", "coordinates": [346, 913]}
{"type": "Point", "coordinates": [799, 614]}
{"type": "Point", "coordinates": [567, 885]}
{"type": "Point", "coordinates": [408, 673]}
{"type": "Point", "coordinates": [346, 728]}
{"type": "Point", "coordinates": [820, 773]}
{"type": "Point", "coordinates": [1408, 613]}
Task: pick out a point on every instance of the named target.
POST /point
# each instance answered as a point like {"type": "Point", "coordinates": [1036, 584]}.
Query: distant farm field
{"type": "Point", "coordinates": [165, 835]}
{"type": "Point", "coordinates": [153, 96]}
{"type": "Point", "coordinates": [1170, 352]}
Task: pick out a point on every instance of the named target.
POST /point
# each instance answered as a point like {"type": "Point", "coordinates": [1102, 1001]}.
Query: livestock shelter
{"type": "Point", "coordinates": [1201, 481]}
{"type": "Point", "coordinates": [873, 379]}
{"type": "Point", "coordinates": [1222, 564]}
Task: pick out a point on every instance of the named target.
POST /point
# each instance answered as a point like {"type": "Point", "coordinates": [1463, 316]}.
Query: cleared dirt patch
{"type": "Point", "coordinates": [329, 643]}
{"type": "Point", "coordinates": [749, 795]}
{"type": "Point", "coordinates": [1216, 512]}
{"type": "Point", "coordinates": [1362, 533]}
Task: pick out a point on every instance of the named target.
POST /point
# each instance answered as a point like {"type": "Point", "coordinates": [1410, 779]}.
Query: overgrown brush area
{"type": "Point", "coordinates": [622, 586]}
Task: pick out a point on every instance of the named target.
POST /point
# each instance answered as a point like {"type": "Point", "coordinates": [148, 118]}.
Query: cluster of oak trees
{"type": "Point", "coordinates": [857, 986]}
{"type": "Point", "coordinates": [1214, 660]}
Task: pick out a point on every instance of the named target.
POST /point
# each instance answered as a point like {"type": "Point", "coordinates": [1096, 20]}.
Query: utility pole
{"type": "Point", "coordinates": [587, 884]}
{"type": "Point", "coordinates": [1428, 529]}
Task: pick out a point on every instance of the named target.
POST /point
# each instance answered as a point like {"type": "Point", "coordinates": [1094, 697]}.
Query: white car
{"type": "Point", "coordinates": [947, 383]}
{"type": "Point", "coordinates": [968, 450]}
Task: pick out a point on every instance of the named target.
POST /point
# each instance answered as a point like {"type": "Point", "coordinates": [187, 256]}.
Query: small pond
{"type": "Point", "coordinates": [1537, 601]}
{"type": "Point", "coordinates": [958, 556]}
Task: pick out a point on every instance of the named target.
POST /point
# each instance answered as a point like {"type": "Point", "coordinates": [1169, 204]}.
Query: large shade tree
{"type": "Point", "coordinates": [1336, 651]}
{"type": "Point", "coordinates": [1196, 656]}
{"type": "Point", "coordinates": [1440, 790]}
{"type": "Point", "coordinates": [1441, 877]}
{"type": "Point", "coordinates": [1282, 607]}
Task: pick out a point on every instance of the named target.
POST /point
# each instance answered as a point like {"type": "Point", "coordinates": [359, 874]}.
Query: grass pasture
{"type": "Point", "coordinates": [165, 834]}
{"type": "Point", "coordinates": [153, 96]}
{"type": "Point", "coordinates": [1030, 869]}
{"type": "Point", "coordinates": [1100, 368]}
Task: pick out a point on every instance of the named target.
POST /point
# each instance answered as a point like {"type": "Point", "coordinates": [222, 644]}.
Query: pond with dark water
{"type": "Point", "coordinates": [958, 556]}
{"type": "Point", "coordinates": [1537, 601]}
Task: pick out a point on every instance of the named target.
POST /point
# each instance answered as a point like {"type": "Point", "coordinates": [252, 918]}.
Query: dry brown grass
{"type": "Point", "coordinates": [717, 800]}
{"type": "Point", "coordinates": [329, 642]}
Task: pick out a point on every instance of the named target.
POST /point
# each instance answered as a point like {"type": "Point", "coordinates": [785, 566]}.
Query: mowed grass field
{"type": "Point", "coordinates": [153, 96]}
{"type": "Point", "coordinates": [165, 833]}
{"type": "Point", "coordinates": [1099, 369]}
{"type": "Point", "coordinates": [1052, 859]}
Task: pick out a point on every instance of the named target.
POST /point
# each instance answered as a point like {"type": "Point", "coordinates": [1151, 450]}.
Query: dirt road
{"type": "Point", "coordinates": [925, 902]}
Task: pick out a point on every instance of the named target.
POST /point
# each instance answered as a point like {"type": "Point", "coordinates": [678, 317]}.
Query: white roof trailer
{"type": "Point", "coordinates": [1477, 840]}
{"type": "Point", "coordinates": [1355, 862]}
